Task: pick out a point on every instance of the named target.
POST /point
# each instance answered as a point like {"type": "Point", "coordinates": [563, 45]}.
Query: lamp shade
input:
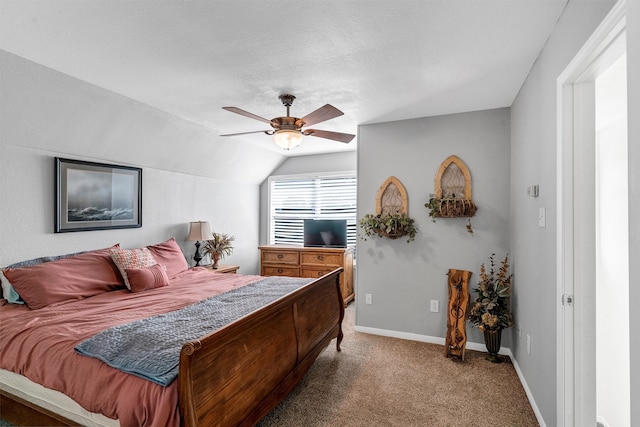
{"type": "Point", "coordinates": [287, 138]}
{"type": "Point", "coordinates": [199, 230]}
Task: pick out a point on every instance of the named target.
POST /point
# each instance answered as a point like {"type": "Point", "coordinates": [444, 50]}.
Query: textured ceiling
{"type": "Point", "coordinates": [376, 61]}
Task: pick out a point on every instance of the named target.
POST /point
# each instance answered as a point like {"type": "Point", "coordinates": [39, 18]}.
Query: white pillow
{"type": "Point", "coordinates": [132, 258]}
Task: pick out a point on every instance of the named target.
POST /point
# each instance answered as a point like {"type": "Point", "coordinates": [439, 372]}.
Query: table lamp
{"type": "Point", "coordinates": [199, 230]}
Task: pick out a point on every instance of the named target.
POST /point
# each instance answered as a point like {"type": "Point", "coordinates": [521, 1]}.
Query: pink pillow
{"type": "Point", "coordinates": [67, 279]}
{"type": "Point", "coordinates": [170, 255]}
{"type": "Point", "coordinates": [131, 258]}
{"type": "Point", "coordinates": [143, 279]}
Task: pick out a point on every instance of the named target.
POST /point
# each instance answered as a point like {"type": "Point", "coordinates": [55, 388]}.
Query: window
{"type": "Point", "coordinates": [294, 198]}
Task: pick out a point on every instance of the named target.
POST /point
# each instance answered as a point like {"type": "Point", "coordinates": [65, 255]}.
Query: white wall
{"type": "Point", "coordinates": [321, 163]}
{"type": "Point", "coordinates": [533, 161]}
{"type": "Point", "coordinates": [403, 277]}
{"type": "Point", "coordinates": [188, 172]}
{"type": "Point", "coordinates": [612, 249]}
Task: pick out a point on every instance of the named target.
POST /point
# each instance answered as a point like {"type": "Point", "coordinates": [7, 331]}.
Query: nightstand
{"type": "Point", "coordinates": [231, 269]}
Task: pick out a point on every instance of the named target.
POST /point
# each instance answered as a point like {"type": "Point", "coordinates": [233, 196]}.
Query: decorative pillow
{"type": "Point", "coordinates": [65, 280]}
{"type": "Point", "coordinates": [132, 258]}
{"type": "Point", "coordinates": [10, 293]}
{"type": "Point", "coordinates": [170, 255]}
{"type": "Point", "coordinates": [143, 279]}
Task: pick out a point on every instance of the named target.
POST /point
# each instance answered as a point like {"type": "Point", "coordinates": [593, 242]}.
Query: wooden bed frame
{"type": "Point", "coordinates": [238, 374]}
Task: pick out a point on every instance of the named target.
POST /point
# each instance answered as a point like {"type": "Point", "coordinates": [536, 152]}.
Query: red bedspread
{"type": "Point", "coordinates": [39, 345]}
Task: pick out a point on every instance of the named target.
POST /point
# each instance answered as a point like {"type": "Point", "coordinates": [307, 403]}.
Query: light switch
{"type": "Point", "coordinates": [542, 217]}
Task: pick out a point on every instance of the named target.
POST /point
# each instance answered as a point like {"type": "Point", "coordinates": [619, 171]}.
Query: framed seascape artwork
{"type": "Point", "coordinates": [97, 196]}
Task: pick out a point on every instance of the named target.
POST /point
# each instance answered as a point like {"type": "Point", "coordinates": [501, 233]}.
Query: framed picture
{"type": "Point", "coordinates": [97, 196]}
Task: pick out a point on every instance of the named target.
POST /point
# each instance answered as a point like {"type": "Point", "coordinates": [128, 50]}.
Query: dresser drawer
{"type": "Point", "coordinates": [314, 272]}
{"type": "Point", "coordinates": [273, 270]}
{"type": "Point", "coordinates": [321, 258]}
{"type": "Point", "coordinates": [280, 257]}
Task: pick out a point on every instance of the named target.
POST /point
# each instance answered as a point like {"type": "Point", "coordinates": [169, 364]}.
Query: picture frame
{"type": "Point", "coordinates": [96, 196]}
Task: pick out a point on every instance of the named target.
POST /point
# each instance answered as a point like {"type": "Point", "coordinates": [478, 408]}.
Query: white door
{"type": "Point", "coordinates": [580, 221]}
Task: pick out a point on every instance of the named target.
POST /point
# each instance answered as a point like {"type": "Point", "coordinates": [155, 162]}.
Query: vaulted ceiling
{"type": "Point", "coordinates": [376, 61]}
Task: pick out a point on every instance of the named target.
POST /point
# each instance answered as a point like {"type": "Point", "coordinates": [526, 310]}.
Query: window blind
{"type": "Point", "coordinates": [292, 199]}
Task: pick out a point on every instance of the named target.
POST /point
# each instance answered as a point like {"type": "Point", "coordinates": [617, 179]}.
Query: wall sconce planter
{"type": "Point", "coordinates": [391, 226]}
{"type": "Point", "coordinates": [450, 208]}
{"type": "Point", "coordinates": [391, 219]}
{"type": "Point", "coordinates": [452, 198]}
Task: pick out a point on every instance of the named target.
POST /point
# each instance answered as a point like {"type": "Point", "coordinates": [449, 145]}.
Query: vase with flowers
{"type": "Point", "coordinates": [219, 247]}
{"type": "Point", "coordinates": [490, 311]}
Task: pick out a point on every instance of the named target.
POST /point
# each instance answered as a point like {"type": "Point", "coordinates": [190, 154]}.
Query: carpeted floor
{"type": "Point", "coordinates": [381, 381]}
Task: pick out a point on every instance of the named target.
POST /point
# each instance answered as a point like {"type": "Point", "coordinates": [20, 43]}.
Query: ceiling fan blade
{"type": "Point", "coordinates": [321, 114]}
{"type": "Point", "coordinates": [336, 136]}
{"type": "Point", "coordinates": [268, 132]}
{"type": "Point", "coordinates": [246, 114]}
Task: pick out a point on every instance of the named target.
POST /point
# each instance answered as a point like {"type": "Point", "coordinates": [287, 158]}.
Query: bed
{"type": "Point", "coordinates": [232, 375]}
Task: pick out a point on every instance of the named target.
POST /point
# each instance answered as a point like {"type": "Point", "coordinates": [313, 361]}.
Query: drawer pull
{"type": "Point", "coordinates": [320, 274]}
{"type": "Point", "coordinates": [280, 270]}
{"type": "Point", "coordinates": [320, 257]}
{"type": "Point", "coordinates": [280, 256]}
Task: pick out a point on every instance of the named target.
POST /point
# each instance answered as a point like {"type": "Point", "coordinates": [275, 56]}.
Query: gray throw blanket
{"type": "Point", "coordinates": [150, 348]}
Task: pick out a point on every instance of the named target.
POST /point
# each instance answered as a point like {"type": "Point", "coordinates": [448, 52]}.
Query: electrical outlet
{"type": "Point", "coordinates": [435, 306]}
{"type": "Point", "coordinates": [542, 217]}
{"type": "Point", "coordinates": [528, 344]}
{"type": "Point", "coordinates": [367, 298]}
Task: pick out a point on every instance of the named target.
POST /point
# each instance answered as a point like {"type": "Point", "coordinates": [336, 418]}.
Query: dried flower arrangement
{"type": "Point", "coordinates": [491, 308]}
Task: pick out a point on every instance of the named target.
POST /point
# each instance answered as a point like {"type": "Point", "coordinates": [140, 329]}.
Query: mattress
{"type": "Point", "coordinates": [52, 400]}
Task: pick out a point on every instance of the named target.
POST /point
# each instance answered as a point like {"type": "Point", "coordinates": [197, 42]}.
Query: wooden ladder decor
{"type": "Point", "coordinates": [456, 339]}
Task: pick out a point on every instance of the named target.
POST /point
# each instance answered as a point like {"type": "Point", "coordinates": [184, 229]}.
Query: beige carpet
{"type": "Point", "coordinates": [381, 381]}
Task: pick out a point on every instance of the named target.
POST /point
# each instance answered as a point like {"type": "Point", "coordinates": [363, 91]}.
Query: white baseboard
{"type": "Point", "coordinates": [527, 390]}
{"type": "Point", "coordinates": [423, 338]}
{"type": "Point", "coordinates": [470, 345]}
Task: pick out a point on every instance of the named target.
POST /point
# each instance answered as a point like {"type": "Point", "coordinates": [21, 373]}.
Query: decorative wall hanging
{"type": "Point", "coordinates": [97, 196]}
{"type": "Point", "coordinates": [391, 219]}
{"type": "Point", "coordinates": [456, 339]}
{"type": "Point", "coordinates": [452, 198]}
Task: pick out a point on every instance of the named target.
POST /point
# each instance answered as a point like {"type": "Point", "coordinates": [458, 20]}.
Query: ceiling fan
{"type": "Point", "coordinates": [287, 131]}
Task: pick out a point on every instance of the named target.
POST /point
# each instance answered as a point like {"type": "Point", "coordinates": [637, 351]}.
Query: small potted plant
{"type": "Point", "coordinates": [219, 247]}
{"type": "Point", "coordinates": [391, 226]}
{"type": "Point", "coordinates": [490, 311]}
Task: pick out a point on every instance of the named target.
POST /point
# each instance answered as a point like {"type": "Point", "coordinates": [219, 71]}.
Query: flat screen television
{"type": "Point", "coordinates": [325, 233]}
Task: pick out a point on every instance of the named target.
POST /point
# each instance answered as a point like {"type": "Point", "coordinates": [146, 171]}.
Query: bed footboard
{"type": "Point", "coordinates": [238, 374]}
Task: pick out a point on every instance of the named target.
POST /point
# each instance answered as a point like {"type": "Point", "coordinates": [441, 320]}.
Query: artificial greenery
{"type": "Point", "coordinates": [434, 207]}
{"type": "Point", "coordinates": [391, 226]}
{"type": "Point", "coordinates": [451, 208]}
{"type": "Point", "coordinates": [220, 244]}
{"type": "Point", "coordinates": [490, 310]}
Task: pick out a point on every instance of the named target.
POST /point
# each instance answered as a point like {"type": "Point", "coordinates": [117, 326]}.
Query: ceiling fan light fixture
{"type": "Point", "coordinates": [287, 138]}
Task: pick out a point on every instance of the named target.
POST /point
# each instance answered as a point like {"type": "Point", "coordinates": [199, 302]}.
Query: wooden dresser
{"type": "Point", "coordinates": [295, 261]}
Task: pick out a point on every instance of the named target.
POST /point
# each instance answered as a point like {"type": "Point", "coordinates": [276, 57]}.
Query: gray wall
{"type": "Point", "coordinates": [533, 161]}
{"type": "Point", "coordinates": [403, 277]}
{"type": "Point", "coordinates": [633, 99]}
{"type": "Point", "coordinates": [189, 173]}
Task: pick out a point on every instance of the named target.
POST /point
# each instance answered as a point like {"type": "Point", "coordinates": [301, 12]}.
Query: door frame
{"type": "Point", "coordinates": [576, 392]}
